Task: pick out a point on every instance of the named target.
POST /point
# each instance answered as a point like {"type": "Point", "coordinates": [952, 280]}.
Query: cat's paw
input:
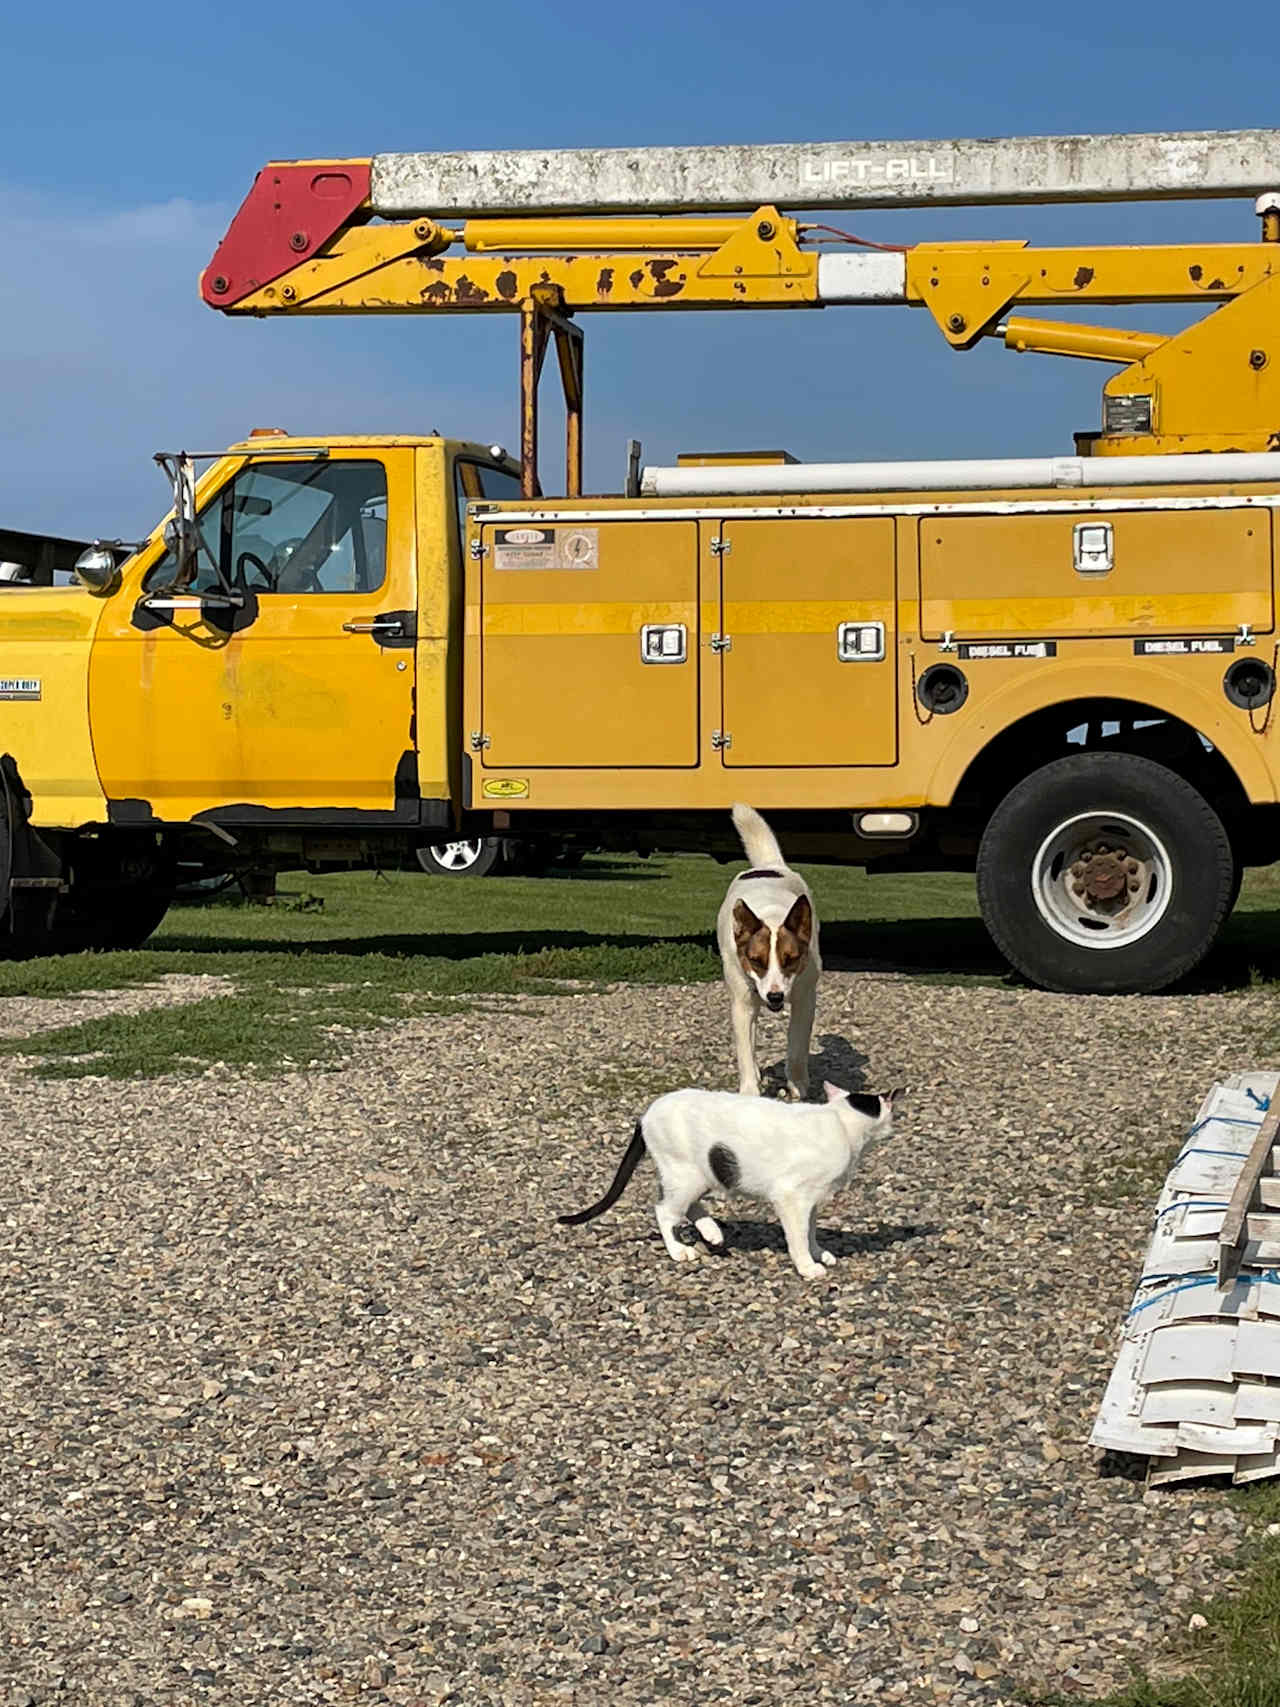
{"type": "Point", "coordinates": [827, 1258]}
{"type": "Point", "coordinates": [683, 1253]}
{"type": "Point", "coordinates": [811, 1271]}
{"type": "Point", "coordinates": [709, 1229]}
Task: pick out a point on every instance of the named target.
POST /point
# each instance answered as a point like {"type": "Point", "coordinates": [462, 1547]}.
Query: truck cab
{"type": "Point", "coordinates": [284, 697]}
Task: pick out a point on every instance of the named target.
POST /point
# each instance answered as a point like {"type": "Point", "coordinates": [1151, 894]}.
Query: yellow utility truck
{"type": "Point", "coordinates": [1057, 671]}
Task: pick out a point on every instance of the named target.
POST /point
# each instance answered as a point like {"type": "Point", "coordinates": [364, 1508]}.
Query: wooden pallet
{"type": "Point", "coordinates": [1249, 1236]}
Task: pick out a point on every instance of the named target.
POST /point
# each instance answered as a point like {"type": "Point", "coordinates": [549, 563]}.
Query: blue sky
{"type": "Point", "coordinates": [129, 134]}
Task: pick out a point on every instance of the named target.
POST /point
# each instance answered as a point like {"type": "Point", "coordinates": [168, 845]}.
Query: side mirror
{"type": "Point", "coordinates": [181, 535]}
{"type": "Point", "coordinates": [97, 568]}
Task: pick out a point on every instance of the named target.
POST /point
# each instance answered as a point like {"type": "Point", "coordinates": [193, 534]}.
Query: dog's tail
{"type": "Point", "coordinates": [758, 839]}
{"type": "Point", "coordinates": [626, 1167]}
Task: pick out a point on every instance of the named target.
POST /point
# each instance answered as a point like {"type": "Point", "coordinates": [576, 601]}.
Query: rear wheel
{"type": "Point", "coordinates": [1104, 873]}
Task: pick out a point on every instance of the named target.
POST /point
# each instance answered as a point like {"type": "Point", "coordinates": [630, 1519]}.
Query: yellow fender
{"type": "Point", "coordinates": [1198, 701]}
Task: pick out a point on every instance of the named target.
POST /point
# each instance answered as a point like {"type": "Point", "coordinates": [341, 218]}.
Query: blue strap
{"type": "Point", "coordinates": [1267, 1277]}
{"type": "Point", "coordinates": [1193, 1203]}
{"type": "Point", "coordinates": [1159, 1297]}
{"type": "Point", "coordinates": [1221, 1120]}
{"type": "Point", "coordinates": [1264, 1103]}
{"type": "Point", "coordinates": [1200, 1150]}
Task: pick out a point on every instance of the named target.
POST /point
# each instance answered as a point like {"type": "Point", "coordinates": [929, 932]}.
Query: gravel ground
{"type": "Point", "coordinates": [22, 1017]}
{"type": "Point", "coordinates": [306, 1399]}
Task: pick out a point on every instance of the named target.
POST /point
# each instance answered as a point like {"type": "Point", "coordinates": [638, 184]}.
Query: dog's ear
{"type": "Point", "coordinates": [799, 921]}
{"type": "Point", "coordinates": [745, 924]}
{"type": "Point", "coordinates": [834, 1093]}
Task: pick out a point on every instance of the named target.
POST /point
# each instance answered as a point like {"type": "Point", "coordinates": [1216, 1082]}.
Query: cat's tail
{"type": "Point", "coordinates": [758, 840]}
{"type": "Point", "coordinates": [626, 1167]}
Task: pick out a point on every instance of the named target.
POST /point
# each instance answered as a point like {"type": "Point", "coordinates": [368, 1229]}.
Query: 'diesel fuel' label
{"type": "Point", "coordinates": [1185, 646]}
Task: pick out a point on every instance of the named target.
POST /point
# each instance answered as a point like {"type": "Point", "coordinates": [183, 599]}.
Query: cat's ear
{"type": "Point", "coordinates": [897, 1095]}
{"type": "Point", "coordinates": [834, 1093]}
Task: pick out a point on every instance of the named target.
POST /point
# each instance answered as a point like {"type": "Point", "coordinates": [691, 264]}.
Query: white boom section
{"type": "Point", "coordinates": [815, 175]}
{"type": "Point", "coordinates": [994, 475]}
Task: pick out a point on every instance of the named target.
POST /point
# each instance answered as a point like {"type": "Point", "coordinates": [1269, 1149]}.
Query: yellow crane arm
{"type": "Point", "coordinates": [312, 238]}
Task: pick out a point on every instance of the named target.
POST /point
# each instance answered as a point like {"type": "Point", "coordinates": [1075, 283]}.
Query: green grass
{"type": "Point", "coordinates": [342, 953]}
{"type": "Point", "coordinates": [345, 952]}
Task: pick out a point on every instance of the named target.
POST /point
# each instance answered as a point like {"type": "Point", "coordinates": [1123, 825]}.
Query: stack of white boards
{"type": "Point", "coordinates": [1196, 1384]}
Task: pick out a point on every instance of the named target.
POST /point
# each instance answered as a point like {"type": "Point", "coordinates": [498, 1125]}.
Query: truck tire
{"type": "Point", "coordinates": [1106, 874]}
{"type": "Point", "coordinates": [474, 858]}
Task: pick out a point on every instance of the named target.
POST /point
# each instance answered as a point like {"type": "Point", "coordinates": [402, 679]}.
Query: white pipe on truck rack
{"type": "Point", "coordinates": [987, 475]}
{"type": "Point", "coordinates": [817, 175]}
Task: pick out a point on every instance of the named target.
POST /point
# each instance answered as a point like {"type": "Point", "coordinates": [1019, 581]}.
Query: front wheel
{"type": "Point", "coordinates": [1104, 873]}
{"type": "Point", "coordinates": [474, 858]}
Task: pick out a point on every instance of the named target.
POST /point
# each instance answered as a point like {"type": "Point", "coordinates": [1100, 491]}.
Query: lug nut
{"type": "Point", "coordinates": [1078, 888]}
{"type": "Point", "coordinates": [1132, 867]}
{"type": "Point", "coordinates": [1134, 886]}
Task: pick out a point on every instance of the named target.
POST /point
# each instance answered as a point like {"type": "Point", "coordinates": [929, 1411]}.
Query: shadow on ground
{"type": "Point", "coordinates": [768, 1236]}
{"type": "Point", "coordinates": [941, 944]}
{"type": "Point", "coordinates": [941, 948]}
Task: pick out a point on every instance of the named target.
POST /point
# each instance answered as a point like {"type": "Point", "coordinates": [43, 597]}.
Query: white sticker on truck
{"type": "Point", "coordinates": [19, 687]}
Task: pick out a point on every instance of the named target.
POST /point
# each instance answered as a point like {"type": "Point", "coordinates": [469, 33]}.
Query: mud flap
{"type": "Point", "coordinates": [27, 863]}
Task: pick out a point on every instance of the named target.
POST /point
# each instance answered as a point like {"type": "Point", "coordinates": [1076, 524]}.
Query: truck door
{"type": "Point", "coordinates": [809, 671]}
{"type": "Point", "coordinates": [301, 697]}
{"type": "Point", "coordinates": [589, 644]}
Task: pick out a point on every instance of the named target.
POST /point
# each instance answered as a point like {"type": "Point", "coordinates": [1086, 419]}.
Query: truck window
{"type": "Point", "coordinates": [481, 480]}
{"type": "Point", "coordinates": [293, 527]}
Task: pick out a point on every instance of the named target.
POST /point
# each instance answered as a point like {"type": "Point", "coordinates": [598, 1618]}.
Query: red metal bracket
{"type": "Point", "coordinates": [292, 211]}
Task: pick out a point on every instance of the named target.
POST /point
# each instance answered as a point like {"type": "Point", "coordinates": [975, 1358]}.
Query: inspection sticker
{"type": "Point", "coordinates": [530, 547]}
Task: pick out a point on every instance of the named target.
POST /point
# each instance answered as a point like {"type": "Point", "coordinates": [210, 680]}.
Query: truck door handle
{"type": "Point", "coordinates": [664, 643]}
{"type": "Point", "coordinates": [392, 628]}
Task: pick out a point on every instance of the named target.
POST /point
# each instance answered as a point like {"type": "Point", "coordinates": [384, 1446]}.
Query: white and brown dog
{"type": "Point", "coordinates": [768, 935]}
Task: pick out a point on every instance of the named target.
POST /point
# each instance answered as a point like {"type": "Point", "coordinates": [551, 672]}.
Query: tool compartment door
{"type": "Point", "coordinates": [809, 676]}
{"type": "Point", "coordinates": [589, 644]}
{"type": "Point", "coordinates": [1185, 571]}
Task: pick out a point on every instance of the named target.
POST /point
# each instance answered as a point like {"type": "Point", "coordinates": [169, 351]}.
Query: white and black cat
{"type": "Point", "coordinates": [796, 1155]}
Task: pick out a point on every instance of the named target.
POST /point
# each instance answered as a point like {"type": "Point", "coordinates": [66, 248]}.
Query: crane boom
{"type": "Point", "coordinates": [1164, 165]}
{"type": "Point", "coordinates": [549, 235]}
